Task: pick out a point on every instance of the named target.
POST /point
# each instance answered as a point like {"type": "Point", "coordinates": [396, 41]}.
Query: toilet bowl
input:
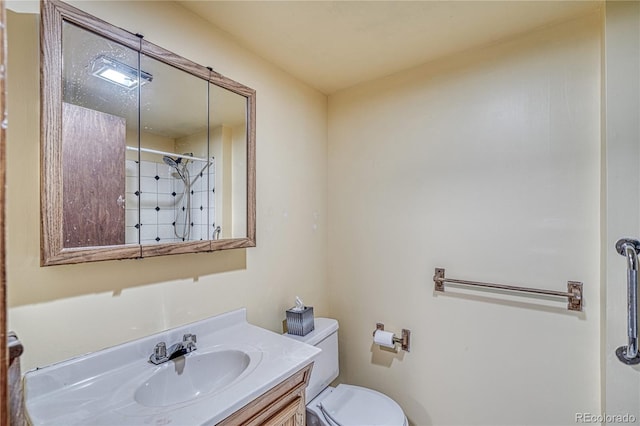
{"type": "Point", "coordinates": [348, 405]}
{"type": "Point", "coordinates": [343, 405]}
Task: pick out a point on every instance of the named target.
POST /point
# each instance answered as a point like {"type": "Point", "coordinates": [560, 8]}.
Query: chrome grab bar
{"type": "Point", "coordinates": [630, 249]}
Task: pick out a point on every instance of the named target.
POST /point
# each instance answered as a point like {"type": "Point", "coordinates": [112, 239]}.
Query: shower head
{"type": "Point", "coordinates": [170, 161]}
{"type": "Point", "coordinates": [173, 163]}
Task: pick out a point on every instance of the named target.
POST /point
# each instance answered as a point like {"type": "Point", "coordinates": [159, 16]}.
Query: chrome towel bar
{"type": "Point", "coordinates": [573, 293]}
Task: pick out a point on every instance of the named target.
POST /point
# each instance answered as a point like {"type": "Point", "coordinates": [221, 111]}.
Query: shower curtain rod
{"type": "Point", "coordinates": [170, 154]}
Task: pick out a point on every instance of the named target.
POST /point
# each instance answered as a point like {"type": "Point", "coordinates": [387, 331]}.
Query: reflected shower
{"type": "Point", "coordinates": [182, 223]}
{"type": "Point", "coordinates": [173, 163]}
{"type": "Point", "coordinates": [183, 173]}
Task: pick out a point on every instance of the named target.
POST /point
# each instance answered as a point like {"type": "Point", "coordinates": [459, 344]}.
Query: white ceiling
{"type": "Point", "coordinates": [332, 45]}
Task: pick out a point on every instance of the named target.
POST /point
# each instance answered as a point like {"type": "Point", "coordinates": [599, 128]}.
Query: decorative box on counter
{"type": "Point", "coordinates": [300, 319]}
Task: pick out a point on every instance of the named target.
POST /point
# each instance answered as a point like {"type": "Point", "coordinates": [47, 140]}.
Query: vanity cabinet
{"type": "Point", "coordinates": [282, 405]}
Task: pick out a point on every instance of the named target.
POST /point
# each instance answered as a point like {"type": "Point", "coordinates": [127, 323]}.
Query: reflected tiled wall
{"type": "Point", "coordinates": [164, 216]}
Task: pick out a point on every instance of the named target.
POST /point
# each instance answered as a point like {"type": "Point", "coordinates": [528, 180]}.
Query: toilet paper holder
{"type": "Point", "coordinates": [404, 341]}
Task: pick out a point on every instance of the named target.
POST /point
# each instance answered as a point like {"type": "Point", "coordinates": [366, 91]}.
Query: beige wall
{"type": "Point", "coordinates": [239, 181]}
{"type": "Point", "coordinates": [486, 163]}
{"type": "Point", "coordinates": [622, 134]}
{"type": "Point", "coordinates": [221, 141]}
{"type": "Point", "coordinates": [63, 311]}
{"type": "Point", "coordinates": [149, 141]}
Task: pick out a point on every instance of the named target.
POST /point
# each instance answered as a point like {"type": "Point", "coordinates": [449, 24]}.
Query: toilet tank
{"type": "Point", "coordinates": [325, 366]}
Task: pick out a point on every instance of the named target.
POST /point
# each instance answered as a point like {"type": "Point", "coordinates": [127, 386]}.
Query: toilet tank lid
{"type": "Point", "coordinates": [323, 327]}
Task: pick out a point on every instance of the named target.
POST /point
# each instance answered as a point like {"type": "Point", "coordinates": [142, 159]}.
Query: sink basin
{"type": "Point", "coordinates": [234, 364]}
{"type": "Point", "coordinates": [194, 375]}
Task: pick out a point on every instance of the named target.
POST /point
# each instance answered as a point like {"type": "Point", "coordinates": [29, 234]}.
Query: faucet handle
{"type": "Point", "coordinates": [189, 342]}
{"type": "Point", "coordinates": [160, 351]}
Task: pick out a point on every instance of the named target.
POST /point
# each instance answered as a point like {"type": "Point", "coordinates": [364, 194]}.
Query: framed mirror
{"type": "Point", "coordinates": [143, 152]}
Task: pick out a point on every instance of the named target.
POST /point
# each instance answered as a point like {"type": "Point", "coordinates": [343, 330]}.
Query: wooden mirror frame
{"type": "Point", "coordinates": [53, 252]}
{"type": "Point", "coordinates": [4, 351]}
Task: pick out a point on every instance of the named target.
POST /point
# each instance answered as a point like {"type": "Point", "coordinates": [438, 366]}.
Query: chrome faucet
{"type": "Point", "coordinates": [162, 354]}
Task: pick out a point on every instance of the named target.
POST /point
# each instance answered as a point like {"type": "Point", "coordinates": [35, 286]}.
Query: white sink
{"type": "Point", "coordinates": [192, 376]}
{"type": "Point", "coordinates": [234, 363]}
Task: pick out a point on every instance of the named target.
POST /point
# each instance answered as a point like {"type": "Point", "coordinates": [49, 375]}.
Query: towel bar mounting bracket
{"type": "Point", "coordinates": [575, 300]}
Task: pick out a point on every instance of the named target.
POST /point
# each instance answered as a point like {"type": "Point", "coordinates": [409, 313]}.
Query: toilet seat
{"type": "Point", "coordinates": [349, 405]}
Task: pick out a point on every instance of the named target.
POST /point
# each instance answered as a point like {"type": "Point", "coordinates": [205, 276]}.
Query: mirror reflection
{"type": "Point", "coordinates": [175, 168]}
{"type": "Point", "coordinates": [151, 154]}
{"type": "Point", "coordinates": [228, 144]}
{"type": "Point", "coordinates": [97, 116]}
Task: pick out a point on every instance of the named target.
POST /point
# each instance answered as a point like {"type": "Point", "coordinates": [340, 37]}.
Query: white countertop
{"type": "Point", "coordinates": [98, 388]}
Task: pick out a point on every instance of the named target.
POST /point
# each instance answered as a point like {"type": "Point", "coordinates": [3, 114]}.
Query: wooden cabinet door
{"type": "Point", "coordinates": [292, 415]}
{"type": "Point", "coordinates": [282, 405]}
{"type": "Point", "coordinates": [93, 164]}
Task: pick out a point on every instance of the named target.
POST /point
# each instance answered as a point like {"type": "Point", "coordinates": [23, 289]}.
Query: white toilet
{"type": "Point", "coordinates": [344, 405]}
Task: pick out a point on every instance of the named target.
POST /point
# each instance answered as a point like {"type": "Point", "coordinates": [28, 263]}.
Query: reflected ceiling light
{"type": "Point", "coordinates": [118, 73]}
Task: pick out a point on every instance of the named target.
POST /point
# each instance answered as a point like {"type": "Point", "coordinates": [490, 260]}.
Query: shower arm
{"type": "Point", "coordinates": [629, 248]}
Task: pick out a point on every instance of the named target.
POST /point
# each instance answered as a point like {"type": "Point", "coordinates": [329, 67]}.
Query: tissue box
{"type": "Point", "coordinates": [300, 323]}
